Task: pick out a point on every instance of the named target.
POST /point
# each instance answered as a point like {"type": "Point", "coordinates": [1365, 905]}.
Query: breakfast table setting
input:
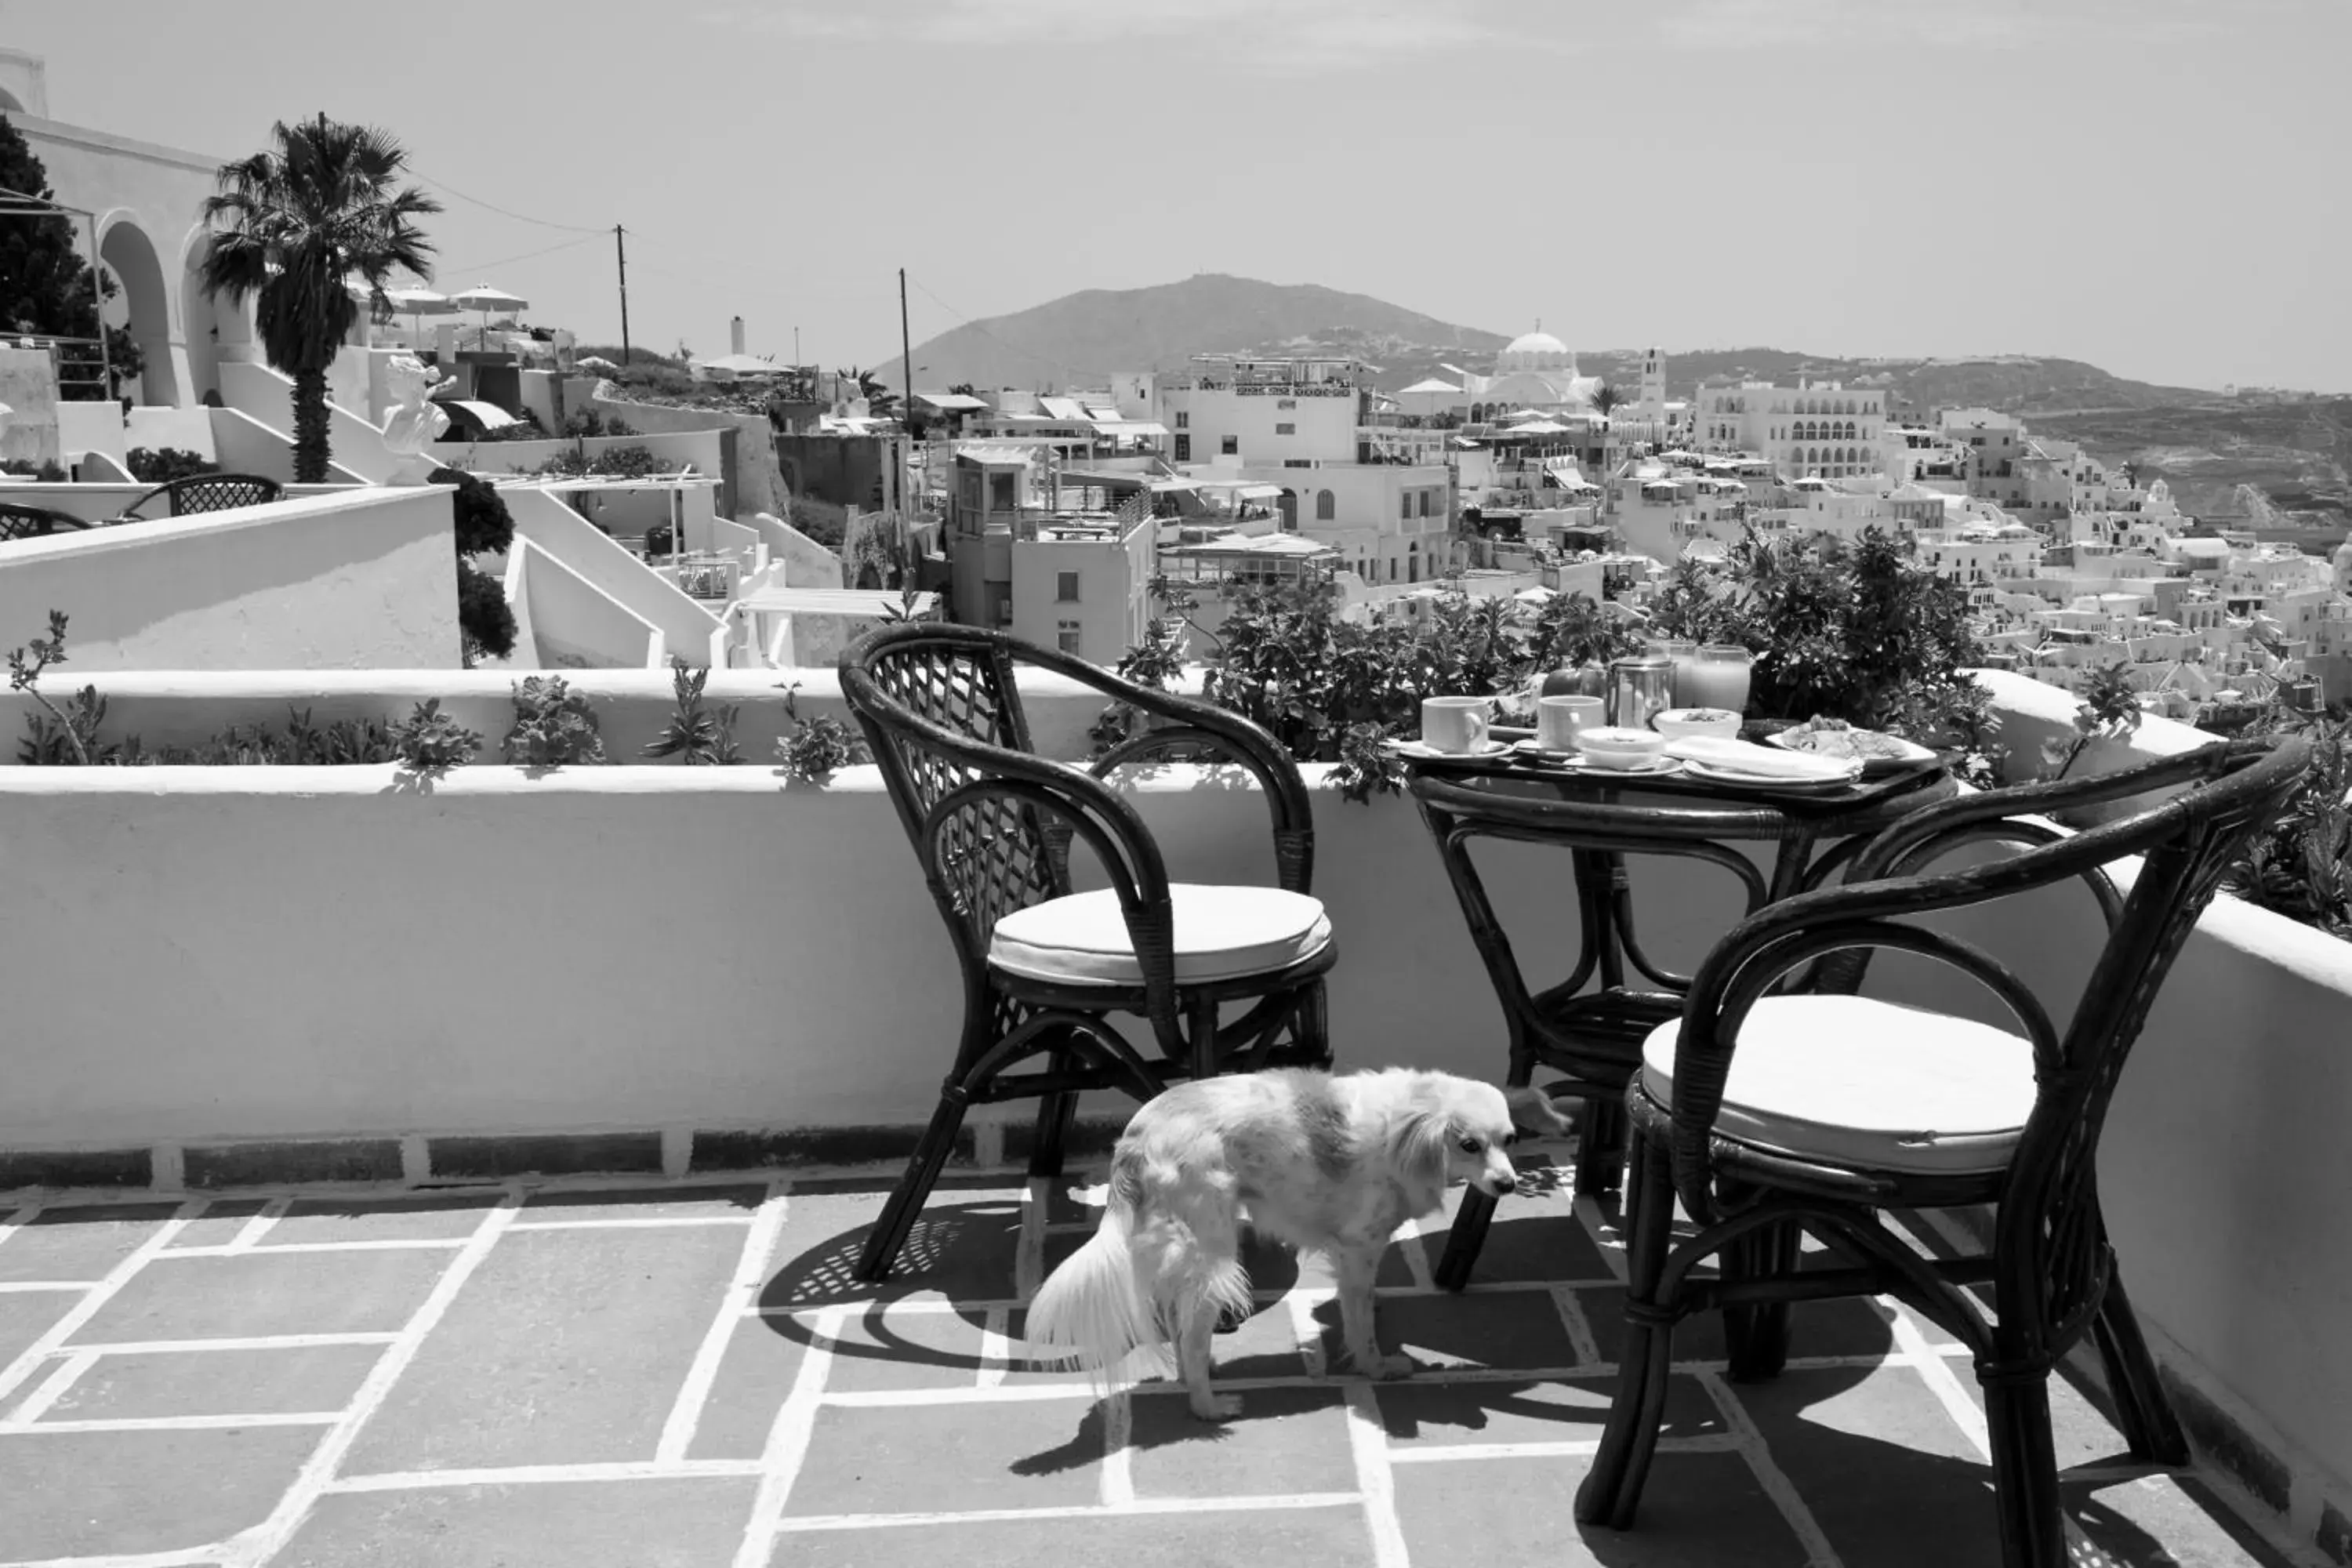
{"type": "Point", "coordinates": [1660, 763]}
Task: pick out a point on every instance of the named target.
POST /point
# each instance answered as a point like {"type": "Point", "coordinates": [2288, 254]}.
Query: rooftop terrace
{"type": "Point", "coordinates": [686, 1374]}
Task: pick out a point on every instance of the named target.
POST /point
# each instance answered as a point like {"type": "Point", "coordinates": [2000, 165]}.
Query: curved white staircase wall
{"type": "Point", "coordinates": [268, 396]}
{"type": "Point", "coordinates": [688, 630]}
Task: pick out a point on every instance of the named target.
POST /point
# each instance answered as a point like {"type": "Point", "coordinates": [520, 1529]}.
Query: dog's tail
{"type": "Point", "coordinates": [1092, 1309]}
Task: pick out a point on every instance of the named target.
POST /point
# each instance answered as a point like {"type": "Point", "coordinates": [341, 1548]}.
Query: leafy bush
{"type": "Point", "coordinates": [553, 726]}
{"type": "Point", "coordinates": [484, 620]}
{"type": "Point", "coordinates": [161, 466]}
{"type": "Point", "coordinates": [590, 422]}
{"type": "Point", "coordinates": [699, 735]}
{"type": "Point", "coordinates": [617, 462]}
{"type": "Point", "coordinates": [46, 472]}
{"type": "Point", "coordinates": [485, 526]}
{"type": "Point", "coordinates": [625, 462]}
{"type": "Point", "coordinates": [2301, 865]}
{"type": "Point", "coordinates": [818, 745]}
{"type": "Point", "coordinates": [431, 741]}
{"type": "Point", "coordinates": [1855, 633]}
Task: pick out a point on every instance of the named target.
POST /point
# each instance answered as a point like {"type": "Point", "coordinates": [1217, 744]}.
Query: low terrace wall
{"type": "Point", "coordinates": [721, 960]}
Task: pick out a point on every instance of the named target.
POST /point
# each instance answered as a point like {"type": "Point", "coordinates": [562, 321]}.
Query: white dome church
{"type": "Point", "coordinates": [1535, 370]}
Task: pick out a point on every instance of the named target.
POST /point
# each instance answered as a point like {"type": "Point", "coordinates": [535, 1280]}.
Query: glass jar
{"type": "Point", "coordinates": [1718, 676]}
{"type": "Point", "coordinates": [1685, 653]}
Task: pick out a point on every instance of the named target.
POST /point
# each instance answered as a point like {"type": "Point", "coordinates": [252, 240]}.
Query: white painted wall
{"type": "Point", "coordinates": [361, 580]}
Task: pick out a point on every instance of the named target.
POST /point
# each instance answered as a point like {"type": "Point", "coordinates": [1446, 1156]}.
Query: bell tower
{"type": "Point", "coordinates": [1654, 385]}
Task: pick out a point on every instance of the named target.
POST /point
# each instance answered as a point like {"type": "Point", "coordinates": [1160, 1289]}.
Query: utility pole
{"type": "Point", "coordinates": [906, 408]}
{"type": "Point", "coordinates": [906, 349]}
{"type": "Point", "coordinates": [621, 250]}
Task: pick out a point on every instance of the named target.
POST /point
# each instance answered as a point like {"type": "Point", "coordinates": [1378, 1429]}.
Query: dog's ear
{"type": "Point", "coordinates": [1533, 1110]}
{"type": "Point", "coordinates": [1417, 1138]}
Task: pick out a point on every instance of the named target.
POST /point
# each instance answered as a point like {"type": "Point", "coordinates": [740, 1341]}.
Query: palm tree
{"type": "Point", "coordinates": [1607, 400]}
{"type": "Point", "coordinates": [295, 225]}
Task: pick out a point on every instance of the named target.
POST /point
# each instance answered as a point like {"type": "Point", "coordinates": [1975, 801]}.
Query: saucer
{"type": "Point", "coordinates": [1428, 754]}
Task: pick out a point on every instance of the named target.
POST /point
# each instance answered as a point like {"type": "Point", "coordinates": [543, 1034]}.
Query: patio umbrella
{"type": "Point", "coordinates": [415, 304]}
{"type": "Point", "coordinates": [483, 298]}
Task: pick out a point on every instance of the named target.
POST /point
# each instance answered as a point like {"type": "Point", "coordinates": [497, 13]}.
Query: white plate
{"type": "Point", "coordinates": [1649, 769]}
{"type": "Point", "coordinates": [1911, 755]}
{"type": "Point", "coordinates": [1699, 770]}
{"type": "Point", "coordinates": [1415, 749]}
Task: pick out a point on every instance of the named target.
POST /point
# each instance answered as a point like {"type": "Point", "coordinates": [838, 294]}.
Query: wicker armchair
{"type": "Point", "coordinates": [206, 492]}
{"type": "Point", "coordinates": [18, 521]}
{"type": "Point", "coordinates": [1044, 969]}
{"type": "Point", "coordinates": [1815, 1128]}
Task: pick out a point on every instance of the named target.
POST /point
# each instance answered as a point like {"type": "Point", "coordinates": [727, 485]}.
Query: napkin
{"type": "Point", "coordinates": [1764, 761]}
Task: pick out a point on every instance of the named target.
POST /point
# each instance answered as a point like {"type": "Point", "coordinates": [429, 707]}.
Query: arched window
{"type": "Point", "coordinates": [1324, 505]}
{"type": "Point", "coordinates": [1845, 431]}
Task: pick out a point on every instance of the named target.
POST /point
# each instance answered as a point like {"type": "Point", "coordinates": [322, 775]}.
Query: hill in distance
{"type": "Point", "coordinates": [1080, 339]}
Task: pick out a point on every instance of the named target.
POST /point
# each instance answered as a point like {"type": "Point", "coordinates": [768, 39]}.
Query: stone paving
{"type": "Point", "coordinates": [687, 1376]}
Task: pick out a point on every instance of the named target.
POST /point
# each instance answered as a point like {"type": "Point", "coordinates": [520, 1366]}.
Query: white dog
{"type": "Point", "coordinates": [1326, 1165]}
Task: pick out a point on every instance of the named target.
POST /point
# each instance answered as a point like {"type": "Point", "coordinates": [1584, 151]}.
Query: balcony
{"type": "Point", "coordinates": [607, 1063]}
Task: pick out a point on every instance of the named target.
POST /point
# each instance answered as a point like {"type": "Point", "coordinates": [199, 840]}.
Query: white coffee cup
{"type": "Point", "coordinates": [1455, 724]}
{"type": "Point", "coordinates": [1560, 719]}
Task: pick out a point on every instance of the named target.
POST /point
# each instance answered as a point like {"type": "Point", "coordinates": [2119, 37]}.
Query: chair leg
{"type": "Point", "coordinates": [2024, 1471]}
{"type": "Point", "coordinates": [1469, 1234]}
{"type": "Point", "coordinates": [1757, 1337]}
{"type": "Point", "coordinates": [890, 1231]}
{"type": "Point", "coordinates": [1600, 1136]}
{"type": "Point", "coordinates": [1314, 1023]}
{"type": "Point", "coordinates": [2143, 1410]}
{"type": "Point", "coordinates": [1612, 1487]}
{"type": "Point", "coordinates": [1055, 1114]}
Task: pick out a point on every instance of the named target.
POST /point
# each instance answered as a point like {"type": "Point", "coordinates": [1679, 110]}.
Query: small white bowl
{"type": "Point", "coordinates": [1612, 746]}
{"type": "Point", "coordinates": [1680, 723]}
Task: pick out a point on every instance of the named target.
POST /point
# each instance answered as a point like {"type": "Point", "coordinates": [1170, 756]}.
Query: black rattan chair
{"type": "Point", "coordinates": [18, 521]}
{"type": "Point", "coordinates": [205, 492]}
{"type": "Point", "coordinates": [1043, 970]}
{"type": "Point", "coordinates": [1817, 1130]}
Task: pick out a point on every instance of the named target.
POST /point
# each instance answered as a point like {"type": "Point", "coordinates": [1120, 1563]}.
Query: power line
{"type": "Point", "coordinates": [502, 212]}
{"type": "Point", "coordinates": [1052, 365]}
{"type": "Point", "coordinates": [526, 256]}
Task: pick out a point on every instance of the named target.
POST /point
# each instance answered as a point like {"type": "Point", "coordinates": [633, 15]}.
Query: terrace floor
{"type": "Point", "coordinates": [686, 1376]}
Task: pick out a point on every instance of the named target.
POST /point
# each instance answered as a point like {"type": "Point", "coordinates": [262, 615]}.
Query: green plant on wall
{"type": "Point", "coordinates": [553, 726]}
{"type": "Point", "coordinates": [2109, 711]}
{"type": "Point", "coordinates": [698, 733]}
{"type": "Point", "coordinates": [818, 744]}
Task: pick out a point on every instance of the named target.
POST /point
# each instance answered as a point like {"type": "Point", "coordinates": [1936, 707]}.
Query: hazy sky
{"type": "Point", "coordinates": [2158, 186]}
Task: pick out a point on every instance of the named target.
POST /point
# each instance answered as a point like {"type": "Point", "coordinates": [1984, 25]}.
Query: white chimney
{"type": "Point", "coordinates": [735, 336]}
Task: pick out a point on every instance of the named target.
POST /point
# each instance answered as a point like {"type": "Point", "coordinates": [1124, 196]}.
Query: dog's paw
{"type": "Point", "coordinates": [1388, 1366]}
{"type": "Point", "coordinates": [1216, 1406]}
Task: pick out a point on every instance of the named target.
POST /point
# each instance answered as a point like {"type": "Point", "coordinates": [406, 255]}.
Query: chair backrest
{"type": "Point", "coordinates": [218, 492]}
{"type": "Point", "coordinates": [934, 699]}
{"type": "Point", "coordinates": [2048, 1220]}
{"type": "Point", "coordinates": [33, 521]}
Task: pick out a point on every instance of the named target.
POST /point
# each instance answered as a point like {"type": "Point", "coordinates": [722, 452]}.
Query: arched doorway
{"type": "Point", "coordinates": [1288, 505]}
{"type": "Point", "coordinates": [143, 305]}
{"type": "Point", "coordinates": [218, 332]}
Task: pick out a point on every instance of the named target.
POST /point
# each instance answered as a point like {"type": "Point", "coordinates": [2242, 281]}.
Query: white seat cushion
{"type": "Point", "coordinates": [1846, 1080]}
{"type": "Point", "coordinates": [1221, 933]}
